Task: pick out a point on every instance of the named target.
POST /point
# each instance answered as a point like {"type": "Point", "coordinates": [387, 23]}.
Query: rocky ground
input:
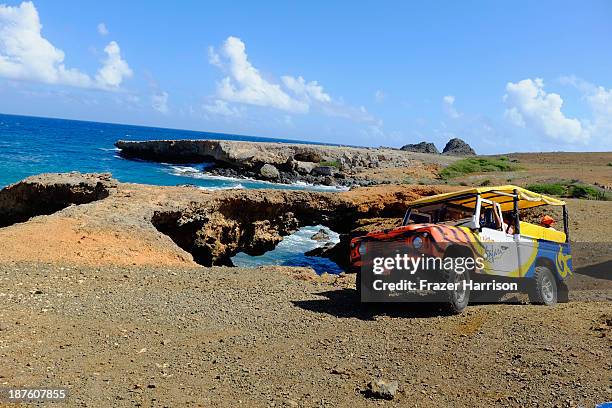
{"type": "Point", "coordinates": [131, 224]}
{"type": "Point", "coordinates": [101, 293]}
{"type": "Point", "coordinates": [291, 163]}
{"type": "Point", "coordinates": [586, 167]}
{"type": "Point", "coordinates": [174, 336]}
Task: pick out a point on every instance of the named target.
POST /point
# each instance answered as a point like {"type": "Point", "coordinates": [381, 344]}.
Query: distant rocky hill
{"type": "Point", "coordinates": [423, 147]}
{"type": "Point", "coordinates": [454, 147]}
{"type": "Point", "coordinates": [458, 147]}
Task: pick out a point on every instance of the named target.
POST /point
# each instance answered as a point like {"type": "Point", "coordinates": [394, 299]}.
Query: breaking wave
{"type": "Point", "coordinates": [196, 171]}
{"type": "Point", "coordinates": [290, 252]}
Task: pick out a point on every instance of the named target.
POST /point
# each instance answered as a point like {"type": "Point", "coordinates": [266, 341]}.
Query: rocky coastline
{"type": "Point", "coordinates": [92, 218]}
{"type": "Point", "coordinates": [280, 162]}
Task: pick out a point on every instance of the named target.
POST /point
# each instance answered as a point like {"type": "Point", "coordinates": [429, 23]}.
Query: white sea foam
{"type": "Point", "coordinates": [110, 149]}
{"type": "Point", "coordinates": [197, 171]}
{"type": "Point", "coordinates": [290, 251]}
{"type": "Point", "coordinates": [234, 187]}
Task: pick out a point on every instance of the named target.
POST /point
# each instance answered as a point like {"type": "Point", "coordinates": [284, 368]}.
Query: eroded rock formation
{"type": "Point", "coordinates": [280, 162]}
{"type": "Point", "coordinates": [48, 193]}
{"type": "Point", "coordinates": [211, 226]}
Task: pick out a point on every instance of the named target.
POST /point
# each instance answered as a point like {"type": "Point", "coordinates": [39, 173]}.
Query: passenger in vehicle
{"type": "Point", "coordinates": [547, 222]}
{"type": "Point", "coordinates": [508, 224]}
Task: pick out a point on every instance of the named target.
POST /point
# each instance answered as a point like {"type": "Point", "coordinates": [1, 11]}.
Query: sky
{"type": "Point", "coordinates": [503, 76]}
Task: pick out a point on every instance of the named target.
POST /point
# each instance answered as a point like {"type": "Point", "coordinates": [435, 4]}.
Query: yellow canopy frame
{"type": "Point", "coordinates": [504, 195]}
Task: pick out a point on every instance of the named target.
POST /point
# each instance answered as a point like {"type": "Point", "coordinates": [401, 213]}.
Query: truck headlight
{"type": "Point", "coordinates": [362, 248]}
{"type": "Point", "coordinates": [417, 242]}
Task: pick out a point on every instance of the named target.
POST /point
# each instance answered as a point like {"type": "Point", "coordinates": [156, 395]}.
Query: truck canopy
{"type": "Point", "coordinates": [504, 195]}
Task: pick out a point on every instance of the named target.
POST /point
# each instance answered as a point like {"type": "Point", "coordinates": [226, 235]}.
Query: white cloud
{"type": "Point", "coordinates": [515, 117]}
{"type": "Point", "coordinates": [246, 85]}
{"type": "Point", "coordinates": [114, 68]}
{"type": "Point", "coordinates": [530, 106]}
{"type": "Point", "coordinates": [102, 30]}
{"type": "Point", "coordinates": [26, 55]}
{"type": "Point", "coordinates": [449, 106]}
{"type": "Point", "coordinates": [159, 102]}
{"type": "Point", "coordinates": [599, 100]}
{"type": "Point", "coordinates": [379, 96]}
{"type": "Point", "coordinates": [221, 107]}
{"type": "Point", "coordinates": [307, 90]}
{"type": "Point", "coordinates": [213, 57]}
{"type": "Point", "coordinates": [340, 110]}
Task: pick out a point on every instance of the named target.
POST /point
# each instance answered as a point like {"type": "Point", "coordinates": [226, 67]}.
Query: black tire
{"type": "Point", "coordinates": [456, 301]}
{"type": "Point", "coordinates": [358, 285]}
{"type": "Point", "coordinates": [562, 292]}
{"type": "Point", "coordinates": [543, 289]}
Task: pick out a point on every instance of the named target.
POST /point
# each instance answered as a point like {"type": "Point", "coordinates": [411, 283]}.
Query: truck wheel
{"type": "Point", "coordinates": [562, 292]}
{"type": "Point", "coordinates": [458, 299]}
{"type": "Point", "coordinates": [543, 289]}
{"type": "Point", "coordinates": [358, 285]}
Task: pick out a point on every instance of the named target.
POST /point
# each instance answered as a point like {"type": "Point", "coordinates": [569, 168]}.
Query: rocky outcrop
{"type": "Point", "coordinates": [320, 235]}
{"type": "Point", "coordinates": [457, 147]}
{"type": "Point", "coordinates": [139, 221]}
{"type": "Point", "coordinates": [47, 193]}
{"type": "Point", "coordinates": [423, 147]}
{"type": "Point", "coordinates": [314, 164]}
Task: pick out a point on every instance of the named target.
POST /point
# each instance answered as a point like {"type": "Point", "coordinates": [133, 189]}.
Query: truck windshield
{"type": "Point", "coordinates": [443, 213]}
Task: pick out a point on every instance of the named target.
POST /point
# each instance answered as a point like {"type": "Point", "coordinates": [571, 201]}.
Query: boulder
{"type": "Point", "coordinates": [308, 155]}
{"type": "Point", "coordinates": [269, 172]}
{"type": "Point", "coordinates": [423, 147]}
{"type": "Point", "coordinates": [382, 389]}
{"type": "Point", "coordinates": [321, 235]}
{"type": "Point", "coordinates": [328, 181]}
{"type": "Point", "coordinates": [324, 171]}
{"type": "Point", "coordinates": [303, 167]}
{"type": "Point", "coordinates": [457, 147]}
{"type": "Point", "coordinates": [320, 251]}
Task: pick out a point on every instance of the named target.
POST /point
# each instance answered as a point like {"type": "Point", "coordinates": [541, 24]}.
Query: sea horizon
{"type": "Point", "coordinates": [31, 145]}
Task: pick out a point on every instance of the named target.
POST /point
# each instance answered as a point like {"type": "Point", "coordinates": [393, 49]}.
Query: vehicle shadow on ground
{"type": "Point", "coordinates": [601, 270]}
{"type": "Point", "coordinates": [345, 303]}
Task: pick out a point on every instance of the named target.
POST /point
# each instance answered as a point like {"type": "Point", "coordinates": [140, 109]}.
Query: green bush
{"type": "Point", "coordinates": [334, 163]}
{"type": "Point", "coordinates": [571, 189]}
{"type": "Point", "coordinates": [583, 191]}
{"type": "Point", "coordinates": [477, 165]}
{"type": "Point", "coordinates": [557, 189]}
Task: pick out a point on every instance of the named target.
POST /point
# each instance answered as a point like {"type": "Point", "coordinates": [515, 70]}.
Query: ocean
{"type": "Point", "coordinates": [33, 145]}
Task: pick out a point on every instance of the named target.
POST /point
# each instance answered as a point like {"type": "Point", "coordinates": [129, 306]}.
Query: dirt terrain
{"type": "Point", "coordinates": [589, 168]}
{"type": "Point", "coordinates": [118, 336]}
{"type": "Point", "coordinates": [93, 297]}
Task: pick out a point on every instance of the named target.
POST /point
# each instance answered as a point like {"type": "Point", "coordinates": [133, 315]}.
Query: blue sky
{"type": "Point", "coordinates": [518, 76]}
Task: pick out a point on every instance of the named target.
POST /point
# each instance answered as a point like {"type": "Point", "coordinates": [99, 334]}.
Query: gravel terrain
{"type": "Point", "coordinates": [96, 298]}
{"type": "Point", "coordinates": [174, 336]}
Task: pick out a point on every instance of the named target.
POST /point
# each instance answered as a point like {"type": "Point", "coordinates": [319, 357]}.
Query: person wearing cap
{"type": "Point", "coordinates": [547, 221]}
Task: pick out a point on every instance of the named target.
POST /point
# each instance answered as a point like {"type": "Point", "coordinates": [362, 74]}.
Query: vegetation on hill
{"type": "Point", "coordinates": [334, 163]}
{"type": "Point", "coordinates": [573, 189]}
{"type": "Point", "coordinates": [478, 165]}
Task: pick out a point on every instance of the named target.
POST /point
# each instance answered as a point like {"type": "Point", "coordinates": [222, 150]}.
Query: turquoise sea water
{"type": "Point", "coordinates": [32, 145]}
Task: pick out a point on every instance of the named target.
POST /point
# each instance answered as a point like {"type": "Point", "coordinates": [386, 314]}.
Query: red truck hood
{"type": "Point", "coordinates": [394, 233]}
